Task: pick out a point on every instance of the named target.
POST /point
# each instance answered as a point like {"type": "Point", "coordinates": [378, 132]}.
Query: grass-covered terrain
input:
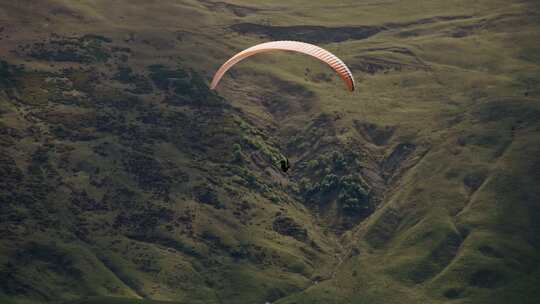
{"type": "Point", "coordinates": [124, 179]}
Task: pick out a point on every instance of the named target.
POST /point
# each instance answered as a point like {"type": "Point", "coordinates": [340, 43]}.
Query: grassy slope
{"type": "Point", "coordinates": [459, 225]}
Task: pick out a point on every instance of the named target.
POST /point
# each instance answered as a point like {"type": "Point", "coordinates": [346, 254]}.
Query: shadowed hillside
{"type": "Point", "coordinates": [124, 178]}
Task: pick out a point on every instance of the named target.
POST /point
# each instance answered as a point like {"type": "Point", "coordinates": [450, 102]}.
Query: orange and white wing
{"type": "Point", "coordinates": [295, 46]}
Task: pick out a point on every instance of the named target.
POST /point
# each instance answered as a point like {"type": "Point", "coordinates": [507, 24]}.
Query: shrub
{"type": "Point", "coordinates": [8, 74]}
{"type": "Point", "coordinates": [329, 183]}
{"type": "Point", "coordinates": [238, 157]}
{"type": "Point", "coordinates": [313, 164]}
{"type": "Point", "coordinates": [339, 160]}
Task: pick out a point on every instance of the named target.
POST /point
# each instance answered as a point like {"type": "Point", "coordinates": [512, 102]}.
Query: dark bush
{"type": "Point", "coordinates": [287, 226]}
{"type": "Point", "coordinates": [8, 75]}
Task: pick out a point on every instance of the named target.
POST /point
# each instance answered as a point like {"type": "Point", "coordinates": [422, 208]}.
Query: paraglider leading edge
{"type": "Point", "coordinates": [301, 47]}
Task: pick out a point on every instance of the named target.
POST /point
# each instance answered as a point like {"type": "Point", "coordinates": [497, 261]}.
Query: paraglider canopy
{"type": "Point", "coordinates": [295, 46]}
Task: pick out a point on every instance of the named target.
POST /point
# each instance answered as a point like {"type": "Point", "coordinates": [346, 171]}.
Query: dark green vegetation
{"type": "Point", "coordinates": [124, 179]}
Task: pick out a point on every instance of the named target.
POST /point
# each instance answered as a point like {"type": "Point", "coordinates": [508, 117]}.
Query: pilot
{"type": "Point", "coordinates": [284, 164]}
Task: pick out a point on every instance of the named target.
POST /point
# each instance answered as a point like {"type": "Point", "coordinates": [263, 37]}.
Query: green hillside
{"type": "Point", "coordinates": [124, 179]}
